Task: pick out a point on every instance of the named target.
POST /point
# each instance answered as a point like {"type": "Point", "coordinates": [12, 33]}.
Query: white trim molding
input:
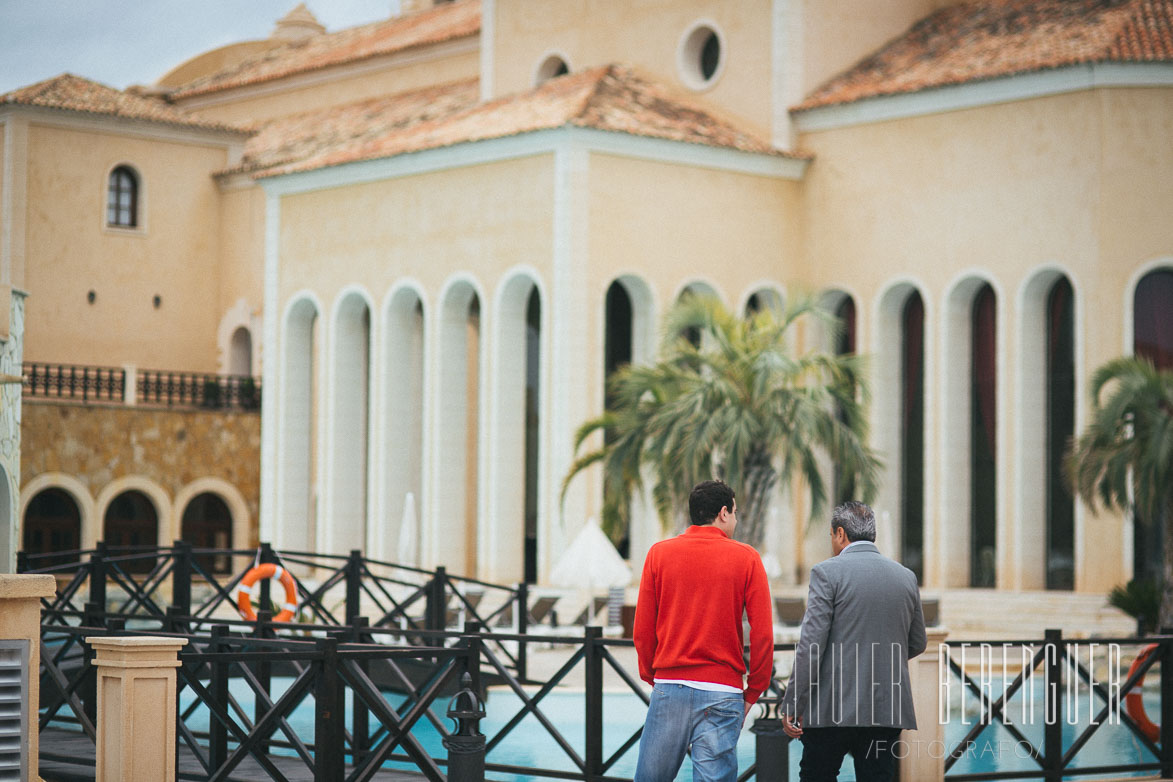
{"type": "Point", "coordinates": [987, 92]}
{"type": "Point", "coordinates": [540, 142]}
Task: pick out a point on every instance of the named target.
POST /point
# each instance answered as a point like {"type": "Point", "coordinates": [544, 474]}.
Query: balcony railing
{"type": "Point", "coordinates": [148, 387]}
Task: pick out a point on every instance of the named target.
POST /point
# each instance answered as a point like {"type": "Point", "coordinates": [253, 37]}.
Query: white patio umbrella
{"type": "Point", "coordinates": [590, 562]}
{"type": "Point", "coordinates": [405, 553]}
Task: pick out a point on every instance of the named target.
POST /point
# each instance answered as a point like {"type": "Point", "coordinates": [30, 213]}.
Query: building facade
{"type": "Point", "coordinates": [443, 230]}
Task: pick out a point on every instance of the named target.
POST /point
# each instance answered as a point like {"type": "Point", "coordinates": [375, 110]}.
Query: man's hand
{"type": "Point", "coordinates": [792, 729]}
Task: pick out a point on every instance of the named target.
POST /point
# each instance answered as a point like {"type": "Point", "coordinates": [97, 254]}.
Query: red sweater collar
{"type": "Point", "coordinates": [706, 530]}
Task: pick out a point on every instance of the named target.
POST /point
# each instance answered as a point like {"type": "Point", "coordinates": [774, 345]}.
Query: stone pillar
{"type": "Point", "coordinates": [20, 620]}
{"type": "Point", "coordinates": [922, 752]}
{"type": "Point", "coordinates": [136, 707]}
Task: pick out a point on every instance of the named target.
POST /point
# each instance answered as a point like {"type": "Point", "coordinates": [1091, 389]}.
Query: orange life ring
{"type": "Point", "coordinates": [267, 570]}
{"type": "Point", "coordinates": [1132, 701]}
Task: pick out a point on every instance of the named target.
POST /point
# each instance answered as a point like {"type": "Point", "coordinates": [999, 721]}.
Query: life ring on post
{"type": "Point", "coordinates": [1133, 704]}
{"type": "Point", "coordinates": [244, 592]}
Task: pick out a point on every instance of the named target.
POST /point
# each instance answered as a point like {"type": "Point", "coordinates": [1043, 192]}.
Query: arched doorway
{"type": "Point", "coordinates": [207, 523]}
{"type": "Point", "coordinates": [131, 523]}
{"type": "Point", "coordinates": [51, 525]}
{"type": "Point", "coordinates": [1152, 338]}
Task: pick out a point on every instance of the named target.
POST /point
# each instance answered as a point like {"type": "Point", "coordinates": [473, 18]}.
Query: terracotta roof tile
{"type": "Point", "coordinates": [611, 98]}
{"type": "Point", "coordinates": [73, 93]}
{"type": "Point", "coordinates": [442, 23]}
{"type": "Point", "coordinates": [996, 38]}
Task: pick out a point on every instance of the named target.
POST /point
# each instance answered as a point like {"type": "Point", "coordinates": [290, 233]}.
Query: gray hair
{"type": "Point", "coordinates": [856, 519]}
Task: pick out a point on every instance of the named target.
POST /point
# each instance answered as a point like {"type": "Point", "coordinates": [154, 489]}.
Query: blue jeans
{"type": "Point", "coordinates": [680, 716]}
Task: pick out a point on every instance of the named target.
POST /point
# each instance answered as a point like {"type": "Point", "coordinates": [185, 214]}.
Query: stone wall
{"type": "Point", "coordinates": [99, 450]}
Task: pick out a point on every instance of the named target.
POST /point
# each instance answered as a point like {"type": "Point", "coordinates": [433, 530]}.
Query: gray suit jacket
{"type": "Point", "coordinates": [863, 622]}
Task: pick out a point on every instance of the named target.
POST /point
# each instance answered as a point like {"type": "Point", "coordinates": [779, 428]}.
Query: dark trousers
{"type": "Point", "coordinates": [872, 749]}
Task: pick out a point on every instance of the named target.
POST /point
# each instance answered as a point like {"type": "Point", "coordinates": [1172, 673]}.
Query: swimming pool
{"type": "Point", "coordinates": [530, 745]}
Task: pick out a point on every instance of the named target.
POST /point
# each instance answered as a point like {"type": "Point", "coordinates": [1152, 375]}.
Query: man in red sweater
{"type": "Point", "coordinates": [692, 595]}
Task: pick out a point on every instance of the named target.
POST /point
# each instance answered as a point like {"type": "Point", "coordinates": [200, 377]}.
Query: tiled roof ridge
{"type": "Point", "coordinates": [609, 98]}
{"type": "Point", "coordinates": [360, 107]}
{"type": "Point", "coordinates": [993, 39]}
{"type": "Point", "coordinates": [237, 75]}
{"type": "Point", "coordinates": [70, 92]}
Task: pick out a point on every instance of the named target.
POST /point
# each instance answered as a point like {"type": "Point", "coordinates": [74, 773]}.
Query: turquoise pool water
{"type": "Point", "coordinates": [530, 745]}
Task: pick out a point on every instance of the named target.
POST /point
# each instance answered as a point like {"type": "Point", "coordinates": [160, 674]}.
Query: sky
{"type": "Point", "coordinates": [125, 42]}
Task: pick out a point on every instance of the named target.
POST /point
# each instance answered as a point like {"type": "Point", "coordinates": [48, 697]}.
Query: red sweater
{"type": "Point", "coordinates": [688, 617]}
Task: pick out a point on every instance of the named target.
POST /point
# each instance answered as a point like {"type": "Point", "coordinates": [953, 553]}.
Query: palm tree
{"type": "Point", "coordinates": [728, 399]}
{"type": "Point", "coordinates": [1125, 456]}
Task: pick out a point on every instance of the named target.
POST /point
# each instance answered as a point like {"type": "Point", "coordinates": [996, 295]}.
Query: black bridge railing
{"type": "Point", "coordinates": [152, 387]}
{"type": "Point", "coordinates": [401, 626]}
{"type": "Point", "coordinates": [1035, 708]}
{"type": "Point", "coordinates": [159, 582]}
{"type": "Point", "coordinates": [346, 705]}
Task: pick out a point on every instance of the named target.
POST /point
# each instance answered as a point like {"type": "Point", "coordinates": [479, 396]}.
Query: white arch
{"type": "Point", "coordinates": [773, 293]}
{"type": "Point", "coordinates": [955, 463]}
{"type": "Point", "coordinates": [297, 436]}
{"type": "Point", "coordinates": [1030, 416]}
{"type": "Point", "coordinates": [887, 349]}
{"type": "Point", "coordinates": [167, 528]}
{"type": "Point", "coordinates": [239, 316]}
{"type": "Point", "coordinates": [702, 286]}
{"type": "Point", "coordinates": [400, 403]}
{"type": "Point", "coordinates": [547, 65]}
{"type": "Point", "coordinates": [1128, 330]}
{"type": "Point", "coordinates": [503, 529]}
{"type": "Point", "coordinates": [453, 495]}
{"type": "Point", "coordinates": [90, 530]}
{"type": "Point", "coordinates": [347, 404]}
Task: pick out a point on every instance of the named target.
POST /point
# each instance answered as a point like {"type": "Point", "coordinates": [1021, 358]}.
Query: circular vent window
{"type": "Point", "coordinates": [701, 56]}
{"type": "Point", "coordinates": [552, 67]}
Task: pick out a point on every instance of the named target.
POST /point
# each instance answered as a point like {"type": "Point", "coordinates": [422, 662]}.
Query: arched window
{"type": "Point", "coordinates": [983, 439]}
{"type": "Point", "coordinates": [912, 434]}
{"type": "Point", "coordinates": [122, 199]}
{"type": "Point", "coordinates": [1152, 338]}
{"type": "Point", "coordinates": [207, 523]}
{"type": "Point", "coordinates": [551, 68]}
{"type": "Point", "coordinates": [52, 524]}
{"type": "Point", "coordinates": [617, 352]}
{"type": "Point", "coordinates": [131, 523]}
{"type": "Point", "coordinates": [844, 490]}
{"type": "Point", "coordinates": [240, 353]}
{"type": "Point", "coordinates": [533, 345]}
{"type": "Point", "coordinates": [1060, 428]}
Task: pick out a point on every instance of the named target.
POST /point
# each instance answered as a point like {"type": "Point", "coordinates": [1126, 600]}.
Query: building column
{"type": "Point", "coordinates": [922, 751]}
{"type": "Point", "coordinates": [136, 707]}
{"type": "Point", "coordinates": [20, 622]}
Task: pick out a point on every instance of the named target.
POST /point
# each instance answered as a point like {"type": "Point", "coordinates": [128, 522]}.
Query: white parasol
{"type": "Point", "coordinates": [590, 562]}
{"type": "Point", "coordinates": [406, 551]}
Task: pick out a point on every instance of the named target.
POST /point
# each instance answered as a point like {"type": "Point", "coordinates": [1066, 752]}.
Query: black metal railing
{"type": "Point", "coordinates": [348, 704]}
{"type": "Point", "coordinates": [230, 662]}
{"type": "Point", "coordinates": [274, 708]}
{"type": "Point", "coordinates": [157, 582]}
{"type": "Point", "coordinates": [191, 389]}
{"type": "Point", "coordinates": [1024, 702]}
{"type": "Point", "coordinates": [152, 387]}
{"type": "Point", "coordinates": [67, 381]}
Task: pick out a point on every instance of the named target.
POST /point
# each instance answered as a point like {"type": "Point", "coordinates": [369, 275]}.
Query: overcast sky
{"type": "Point", "coordinates": [124, 42]}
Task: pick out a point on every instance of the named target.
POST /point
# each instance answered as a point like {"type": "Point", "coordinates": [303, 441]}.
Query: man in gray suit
{"type": "Point", "coordinates": [849, 691]}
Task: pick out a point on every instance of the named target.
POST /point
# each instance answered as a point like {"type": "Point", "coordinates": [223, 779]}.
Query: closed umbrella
{"type": "Point", "coordinates": [406, 551]}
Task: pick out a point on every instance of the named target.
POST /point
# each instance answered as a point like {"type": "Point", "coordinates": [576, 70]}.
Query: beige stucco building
{"type": "Point", "coordinates": [439, 231]}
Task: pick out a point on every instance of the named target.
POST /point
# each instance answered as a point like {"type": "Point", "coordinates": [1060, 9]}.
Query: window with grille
{"type": "Point", "coordinates": [14, 719]}
{"type": "Point", "coordinates": [122, 198]}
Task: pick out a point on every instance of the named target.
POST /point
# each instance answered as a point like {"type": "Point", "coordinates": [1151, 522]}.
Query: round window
{"type": "Point", "coordinates": [701, 56]}
{"type": "Point", "coordinates": [551, 67]}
